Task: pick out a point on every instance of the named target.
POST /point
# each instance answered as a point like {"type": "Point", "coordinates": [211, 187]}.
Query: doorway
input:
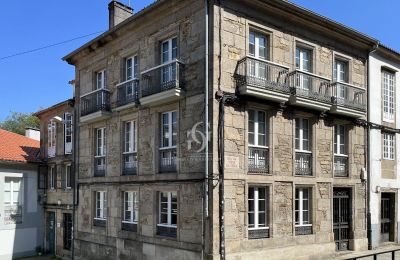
{"type": "Point", "coordinates": [342, 216]}
{"type": "Point", "coordinates": [387, 217]}
{"type": "Point", "coordinates": [50, 232]}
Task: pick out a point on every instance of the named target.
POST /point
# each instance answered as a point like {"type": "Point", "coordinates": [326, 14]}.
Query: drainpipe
{"type": "Point", "coordinates": [75, 154]}
{"type": "Point", "coordinates": [367, 142]}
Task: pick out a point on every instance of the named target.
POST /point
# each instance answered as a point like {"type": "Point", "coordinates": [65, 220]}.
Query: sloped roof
{"type": "Point", "coordinates": [18, 148]}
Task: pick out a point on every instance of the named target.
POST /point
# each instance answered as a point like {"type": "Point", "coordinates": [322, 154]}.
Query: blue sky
{"type": "Point", "coordinates": [40, 79]}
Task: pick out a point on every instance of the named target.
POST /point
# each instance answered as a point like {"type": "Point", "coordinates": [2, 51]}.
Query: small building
{"type": "Point", "coordinates": [21, 215]}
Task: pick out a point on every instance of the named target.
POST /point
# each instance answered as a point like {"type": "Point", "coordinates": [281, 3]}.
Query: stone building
{"type": "Point", "coordinates": [293, 142]}
{"type": "Point", "coordinates": [384, 65]}
{"type": "Point", "coordinates": [56, 127]}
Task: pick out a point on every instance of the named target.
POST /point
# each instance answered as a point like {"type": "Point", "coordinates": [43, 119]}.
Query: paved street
{"type": "Point", "coordinates": [386, 256]}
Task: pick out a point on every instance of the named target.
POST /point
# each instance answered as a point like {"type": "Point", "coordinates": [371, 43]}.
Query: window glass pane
{"type": "Point", "coordinates": [7, 197]}
{"type": "Point", "coordinates": [174, 128]}
{"type": "Point", "coordinates": [174, 48]}
{"type": "Point", "coordinates": [165, 130]}
{"type": "Point", "coordinates": [165, 52]}
{"type": "Point", "coordinates": [252, 44]}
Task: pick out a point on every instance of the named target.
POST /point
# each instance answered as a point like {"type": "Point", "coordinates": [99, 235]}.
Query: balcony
{"type": "Point", "coordinates": [166, 231]}
{"type": "Point", "coordinates": [303, 163]}
{"type": "Point", "coordinates": [348, 100]}
{"type": "Point", "coordinates": [162, 84]}
{"type": "Point", "coordinates": [258, 160]}
{"type": "Point", "coordinates": [130, 164]}
{"type": "Point", "coordinates": [168, 160]}
{"type": "Point", "coordinates": [262, 79]}
{"type": "Point", "coordinates": [340, 166]}
{"type": "Point", "coordinates": [128, 94]}
{"type": "Point", "coordinates": [95, 106]}
{"type": "Point", "coordinates": [99, 166]}
{"type": "Point", "coordinates": [309, 90]}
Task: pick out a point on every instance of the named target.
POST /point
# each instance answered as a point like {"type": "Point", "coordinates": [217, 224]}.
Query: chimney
{"type": "Point", "coordinates": [32, 133]}
{"type": "Point", "coordinates": [118, 12]}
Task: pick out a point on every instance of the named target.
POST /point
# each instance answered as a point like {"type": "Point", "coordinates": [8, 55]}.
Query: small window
{"type": "Point", "coordinates": [13, 200]}
{"type": "Point", "coordinates": [258, 212]}
{"type": "Point", "coordinates": [258, 130]}
{"type": "Point", "coordinates": [303, 206]}
{"type": "Point", "coordinates": [67, 133]}
{"type": "Point", "coordinates": [101, 205]}
{"type": "Point", "coordinates": [168, 209]}
{"type": "Point", "coordinates": [388, 146]}
{"type": "Point", "coordinates": [388, 82]}
{"type": "Point", "coordinates": [51, 139]}
{"type": "Point", "coordinates": [303, 59]}
{"type": "Point", "coordinates": [131, 207]}
{"type": "Point", "coordinates": [101, 79]}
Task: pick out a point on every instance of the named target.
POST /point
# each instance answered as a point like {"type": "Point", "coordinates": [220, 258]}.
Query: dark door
{"type": "Point", "coordinates": [50, 233]}
{"type": "Point", "coordinates": [67, 231]}
{"type": "Point", "coordinates": [387, 217]}
{"type": "Point", "coordinates": [342, 216]}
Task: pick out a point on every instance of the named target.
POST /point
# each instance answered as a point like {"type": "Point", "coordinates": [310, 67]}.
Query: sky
{"type": "Point", "coordinates": [37, 80]}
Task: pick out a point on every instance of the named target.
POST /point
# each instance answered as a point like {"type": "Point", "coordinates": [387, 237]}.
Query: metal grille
{"type": "Point", "coordinates": [303, 230]}
{"type": "Point", "coordinates": [97, 101]}
{"type": "Point", "coordinates": [166, 231]}
{"type": "Point", "coordinates": [348, 96]}
{"type": "Point", "coordinates": [258, 233]}
{"type": "Point", "coordinates": [128, 92]}
{"type": "Point", "coordinates": [341, 218]}
{"type": "Point", "coordinates": [99, 167]}
{"type": "Point", "coordinates": [168, 160]}
{"type": "Point", "coordinates": [132, 227]}
{"type": "Point", "coordinates": [310, 86]}
{"type": "Point", "coordinates": [67, 231]}
{"type": "Point", "coordinates": [340, 167]}
{"type": "Point", "coordinates": [99, 222]}
{"type": "Point", "coordinates": [130, 164]}
{"type": "Point", "coordinates": [258, 161]}
{"type": "Point", "coordinates": [303, 164]}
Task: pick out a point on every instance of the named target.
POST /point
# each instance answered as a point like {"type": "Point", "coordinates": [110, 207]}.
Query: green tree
{"type": "Point", "coordinates": [17, 122]}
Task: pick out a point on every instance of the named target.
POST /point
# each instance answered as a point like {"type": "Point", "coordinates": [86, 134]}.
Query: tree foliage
{"type": "Point", "coordinates": [17, 122]}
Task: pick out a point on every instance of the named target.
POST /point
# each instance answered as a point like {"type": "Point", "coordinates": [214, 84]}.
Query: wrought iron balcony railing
{"type": "Point", "coordinates": [130, 163]}
{"type": "Point", "coordinates": [349, 96]}
{"type": "Point", "coordinates": [303, 163]}
{"type": "Point", "coordinates": [128, 92]}
{"type": "Point", "coordinates": [258, 160]}
{"type": "Point", "coordinates": [261, 74]}
{"type": "Point", "coordinates": [162, 78]}
{"type": "Point", "coordinates": [167, 231]}
{"type": "Point", "coordinates": [308, 85]}
{"type": "Point", "coordinates": [258, 233]}
{"type": "Point", "coordinates": [340, 166]}
{"type": "Point", "coordinates": [168, 160]}
{"type": "Point", "coordinates": [98, 100]}
{"type": "Point", "coordinates": [99, 166]}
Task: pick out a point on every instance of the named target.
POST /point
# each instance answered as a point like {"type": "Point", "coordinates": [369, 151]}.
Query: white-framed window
{"type": "Point", "coordinates": [168, 209]}
{"type": "Point", "coordinates": [51, 139]}
{"type": "Point", "coordinates": [169, 129]}
{"type": "Point", "coordinates": [389, 146]}
{"type": "Point", "coordinates": [303, 59]}
{"type": "Point", "coordinates": [340, 71]}
{"type": "Point", "coordinates": [258, 45]}
{"type": "Point", "coordinates": [67, 177]}
{"type": "Point", "coordinates": [101, 79]}
{"type": "Point", "coordinates": [52, 177]}
{"type": "Point", "coordinates": [303, 207]}
{"type": "Point", "coordinates": [100, 156]}
{"type": "Point", "coordinates": [130, 145]}
{"type": "Point", "coordinates": [340, 140]}
{"type": "Point", "coordinates": [67, 133]}
{"type": "Point", "coordinates": [13, 200]}
{"type": "Point", "coordinates": [169, 50]}
{"type": "Point", "coordinates": [131, 68]}
{"type": "Point", "coordinates": [388, 82]}
{"type": "Point", "coordinates": [131, 207]}
{"type": "Point", "coordinates": [258, 130]}
{"type": "Point", "coordinates": [258, 208]}
{"type": "Point", "coordinates": [302, 135]}
{"type": "Point", "coordinates": [101, 205]}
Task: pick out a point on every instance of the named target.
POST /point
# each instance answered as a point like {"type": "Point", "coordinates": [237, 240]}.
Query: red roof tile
{"type": "Point", "coordinates": [18, 148]}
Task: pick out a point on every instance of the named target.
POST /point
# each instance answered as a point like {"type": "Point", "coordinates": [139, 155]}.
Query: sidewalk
{"type": "Point", "coordinates": [384, 248]}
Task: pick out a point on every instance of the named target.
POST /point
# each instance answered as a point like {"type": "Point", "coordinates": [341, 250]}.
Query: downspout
{"type": "Point", "coordinates": [206, 130]}
{"type": "Point", "coordinates": [367, 142]}
{"type": "Point", "coordinates": [75, 189]}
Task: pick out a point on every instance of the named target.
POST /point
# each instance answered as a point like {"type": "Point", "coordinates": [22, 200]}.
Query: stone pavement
{"type": "Point", "coordinates": [386, 256]}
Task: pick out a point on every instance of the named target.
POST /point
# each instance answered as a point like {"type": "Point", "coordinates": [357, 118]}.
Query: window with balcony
{"type": "Point", "coordinates": [258, 157]}
{"type": "Point", "coordinates": [67, 133]}
{"type": "Point", "coordinates": [388, 82]}
{"type": "Point", "coordinates": [168, 214]}
{"type": "Point", "coordinates": [100, 79]}
{"type": "Point", "coordinates": [51, 139]}
{"type": "Point", "coordinates": [340, 166]}
{"type": "Point", "coordinates": [303, 59]}
{"type": "Point", "coordinates": [99, 98]}
{"type": "Point", "coordinates": [169, 134]}
{"type": "Point", "coordinates": [100, 209]}
{"type": "Point", "coordinates": [100, 155]}
{"type": "Point", "coordinates": [303, 154]}
{"type": "Point", "coordinates": [13, 200]}
{"type": "Point", "coordinates": [302, 212]}
{"type": "Point", "coordinates": [128, 89]}
{"type": "Point", "coordinates": [66, 177]}
{"type": "Point", "coordinates": [258, 226]}
{"type": "Point", "coordinates": [52, 177]}
{"type": "Point", "coordinates": [389, 146]}
{"type": "Point", "coordinates": [129, 153]}
{"type": "Point", "coordinates": [131, 211]}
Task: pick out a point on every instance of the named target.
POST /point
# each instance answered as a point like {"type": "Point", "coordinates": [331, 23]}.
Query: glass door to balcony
{"type": "Point", "coordinates": [169, 52]}
{"type": "Point", "coordinates": [100, 84]}
{"type": "Point", "coordinates": [303, 63]}
{"type": "Point", "coordinates": [258, 50]}
{"type": "Point", "coordinates": [340, 76]}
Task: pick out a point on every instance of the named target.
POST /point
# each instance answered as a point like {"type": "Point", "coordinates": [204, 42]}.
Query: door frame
{"type": "Point", "coordinates": [47, 244]}
{"type": "Point", "coordinates": [351, 217]}
{"type": "Point", "coordinates": [393, 224]}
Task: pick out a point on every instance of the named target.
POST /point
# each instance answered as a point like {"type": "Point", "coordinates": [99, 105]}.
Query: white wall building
{"type": "Point", "coordinates": [384, 155]}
